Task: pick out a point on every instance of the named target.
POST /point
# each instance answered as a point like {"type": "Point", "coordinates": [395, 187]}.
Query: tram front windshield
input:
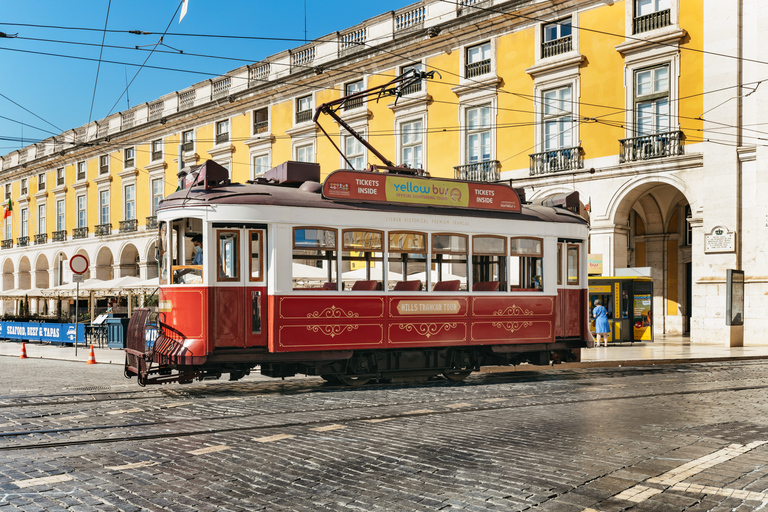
{"type": "Point", "coordinates": [181, 251]}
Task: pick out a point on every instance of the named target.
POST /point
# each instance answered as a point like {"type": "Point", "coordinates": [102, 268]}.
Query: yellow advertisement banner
{"type": "Point", "coordinates": [421, 191]}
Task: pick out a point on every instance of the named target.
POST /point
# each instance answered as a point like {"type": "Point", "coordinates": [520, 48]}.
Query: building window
{"type": "Point", "coordinates": [652, 100]}
{"type": "Point", "coordinates": [41, 227]}
{"type": "Point", "coordinates": [41, 181]}
{"type": "Point", "coordinates": [305, 153]}
{"type": "Point", "coordinates": [59, 176]}
{"type": "Point", "coordinates": [104, 164]}
{"type": "Point", "coordinates": [222, 131]}
{"type": "Point", "coordinates": [104, 207]}
{"type": "Point", "coordinates": [260, 165]}
{"type": "Point", "coordinates": [650, 15]}
{"type": "Point", "coordinates": [24, 222]}
{"type": "Point", "coordinates": [478, 60]}
{"type": "Point", "coordinates": [355, 152]}
{"type": "Point", "coordinates": [129, 161]}
{"type": "Point", "coordinates": [24, 187]}
{"type": "Point", "coordinates": [82, 219]}
{"type": "Point", "coordinates": [260, 120]}
{"type": "Point", "coordinates": [478, 134]}
{"type": "Point", "coordinates": [8, 229]}
{"type": "Point", "coordinates": [688, 228]}
{"type": "Point", "coordinates": [188, 141]}
{"type": "Point", "coordinates": [352, 88]}
{"type": "Point", "coordinates": [411, 146]}
{"type": "Point", "coordinates": [130, 202]}
{"type": "Point", "coordinates": [557, 38]}
{"type": "Point", "coordinates": [7, 190]}
{"type": "Point", "coordinates": [416, 86]}
{"type": "Point", "coordinates": [60, 215]}
{"type": "Point", "coordinates": [157, 150]}
{"type": "Point", "coordinates": [525, 264]}
{"type": "Point", "coordinates": [303, 109]}
{"type": "Point", "coordinates": [557, 118]}
{"type": "Point", "coordinates": [80, 171]}
{"type": "Point", "coordinates": [157, 194]}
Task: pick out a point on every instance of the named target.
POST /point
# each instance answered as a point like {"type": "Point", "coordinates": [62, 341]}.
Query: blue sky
{"type": "Point", "coordinates": [60, 90]}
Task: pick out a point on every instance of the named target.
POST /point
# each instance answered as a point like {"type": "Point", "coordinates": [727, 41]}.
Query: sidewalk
{"type": "Point", "coordinates": [668, 349]}
{"type": "Point", "coordinates": [62, 352]}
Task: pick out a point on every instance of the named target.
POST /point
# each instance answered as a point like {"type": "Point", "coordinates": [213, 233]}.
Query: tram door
{"type": "Point", "coordinates": [240, 287]}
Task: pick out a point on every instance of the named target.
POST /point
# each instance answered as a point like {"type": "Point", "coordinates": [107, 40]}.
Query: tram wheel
{"type": "Point", "coordinates": [457, 376]}
{"type": "Point", "coordinates": [353, 380]}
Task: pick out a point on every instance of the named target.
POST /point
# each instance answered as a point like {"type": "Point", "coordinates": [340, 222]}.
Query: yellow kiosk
{"type": "Point", "coordinates": [629, 301]}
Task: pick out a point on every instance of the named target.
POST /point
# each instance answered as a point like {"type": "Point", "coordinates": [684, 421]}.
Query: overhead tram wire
{"type": "Point", "coordinates": [29, 111]}
{"type": "Point", "coordinates": [98, 68]}
{"type": "Point", "coordinates": [159, 42]}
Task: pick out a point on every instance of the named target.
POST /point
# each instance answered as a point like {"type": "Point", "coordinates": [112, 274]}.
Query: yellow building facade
{"type": "Point", "coordinates": [600, 97]}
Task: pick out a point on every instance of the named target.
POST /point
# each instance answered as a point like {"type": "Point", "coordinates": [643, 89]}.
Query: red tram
{"type": "Point", "coordinates": [369, 275]}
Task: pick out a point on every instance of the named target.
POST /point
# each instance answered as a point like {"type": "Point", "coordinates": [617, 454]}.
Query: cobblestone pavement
{"type": "Point", "coordinates": [690, 437]}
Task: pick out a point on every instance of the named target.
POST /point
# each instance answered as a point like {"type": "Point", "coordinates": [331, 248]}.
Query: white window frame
{"type": "Point", "coordinates": [78, 167]}
{"type": "Point", "coordinates": [24, 222]}
{"type": "Point", "coordinates": [303, 145]}
{"type": "Point", "coordinates": [132, 152]}
{"type": "Point", "coordinates": [129, 209]}
{"type": "Point", "coordinates": [546, 143]}
{"type": "Point", "coordinates": [295, 110]}
{"type": "Point", "coordinates": [652, 99]}
{"type": "Point", "coordinates": [82, 211]}
{"type": "Point", "coordinates": [24, 186]}
{"type": "Point", "coordinates": [104, 206]}
{"type": "Point", "coordinates": [41, 181]}
{"type": "Point", "coordinates": [253, 120]}
{"type": "Point", "coordinates": [216, 129]}
{"type": "Point", "coordinates": [102, 159]}
{"type": "Point", "coordinates": [181, 138]}
{"type": "Point", "coordinates": [61, 214]}
{"type": "Point", "coordinates": [566, 77]}
{"type": "Point", "coordinates": [644, 60]}
{"type": "Point", "coordinates": [469, 132]}
{"type": "Point", "coordinates": [401, 145]}
{"type": "Point", "coordinates": [9, 228]}
{"type": "Point", "coordinates": [41, 220]}
{"type": "Point", "coordinates": [255, 172]}
{"type": "Point", "coordinates": [360, 152]}
{"type": "Point", "coordinates": [473, 101]}
{"type": "Point", "coordinates": [61, 176]}
{"type": "Point", "coordinates": [157, 193]}
{"type": "Point", "coordinates": [463, 62]}
{"type": "Point", "coordinates": [161, 145]}
{"type": "Point", "coordinates": [629, 18]}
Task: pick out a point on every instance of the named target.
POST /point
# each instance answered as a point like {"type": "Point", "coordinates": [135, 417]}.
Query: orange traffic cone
{"type": "Point", "coordinates": [23, 351]}
{"type": "Point", "coordinates": [91, 357]}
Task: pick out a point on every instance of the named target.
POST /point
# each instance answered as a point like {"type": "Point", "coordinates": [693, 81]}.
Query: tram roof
{"type": "Point", "coordinates": [309, 196]}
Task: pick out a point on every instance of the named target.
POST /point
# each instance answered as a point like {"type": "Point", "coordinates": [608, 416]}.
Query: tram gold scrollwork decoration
{"type": "Point", "coordinates": [512, 310]}
{"type": "Point", "coordinates": [427, 330]}
{"type": "Point", "coordinates": [333, 312]}
{"type": "Point", "coordinates": [331, 330]}
{"type": "Point", "coordinates": [512, 326]}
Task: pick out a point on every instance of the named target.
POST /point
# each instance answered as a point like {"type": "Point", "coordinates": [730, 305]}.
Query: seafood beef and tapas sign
{"type": "Point", "coordinates": [415, 190]}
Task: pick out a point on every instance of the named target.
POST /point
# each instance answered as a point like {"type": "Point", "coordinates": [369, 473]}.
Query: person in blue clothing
{"type": "Point", "coordinates": [197, 242]}
{"type": "Point", "coordinates": [602, 329]}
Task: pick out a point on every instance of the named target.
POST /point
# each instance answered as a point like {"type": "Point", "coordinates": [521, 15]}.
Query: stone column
{"type": "Point", "coordinates": [610, 240]}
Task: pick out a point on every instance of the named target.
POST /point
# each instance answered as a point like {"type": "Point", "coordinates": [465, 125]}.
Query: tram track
{"type": "Point", "coordinates": [312, 422]}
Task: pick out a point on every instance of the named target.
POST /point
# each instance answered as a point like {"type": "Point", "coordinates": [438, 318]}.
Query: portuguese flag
{"type": "Point", "coordinates": [8, 210]}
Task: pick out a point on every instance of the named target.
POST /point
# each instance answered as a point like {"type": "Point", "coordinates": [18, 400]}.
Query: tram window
{"type": "Point", "coordinates": [559, 263]}
{"type": "Point", "coordinates": [162, 252]}
{"type": "Point", "coordinates": [407, 260]}
{"type": "Point", "coordinates": [362, 260]}
{"type": "Point", "coordinates": [449, 260]}
{"type": "Point", "coordinates": [185, 267]}
{"type": "Point", "coordinates": [314, 259]}
{"type": "Point", "coordinates": [228, 255]}
{"type": "Point", "coordinates": [255, 249]}
{"type": "Point", "coordinates": [525, 264]}
{"type": "Point", "coordinates": [489, 260]}
{"type": "Point", "coordinates": [573, 264]}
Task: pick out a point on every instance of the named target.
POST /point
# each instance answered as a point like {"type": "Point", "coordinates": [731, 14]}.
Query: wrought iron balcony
{"type": "Point", "coordinates": [353, 103]}
{"type": "Point", "coordinates": [487, 171]}
{"type": "Point", "coordinates": [303, 116]}
{"type": "Point", "coordinates": [646, 147]}
{"type": "Point", "coordinates": [41, 238]}
{"type": "Point", "coordinates": [80, 233]}
{"type": "Point", "coordinates": [412, 89]}
{"type": "Point", "coordinates": [260, 127]}
{"type": "Point", "coordinates": [103, 229]}
{"type": "Point", "coordinates": [556, 47]}
{"type": "Point", "coordinates": [188, 146]}
{"type": "Point", "coordinates": [7, 244]}
{"type": "Point", "coordinates": [22, 241]}
{"type": "Point", "coordinates": [127, 226]}
{"type": "Point", "coordinates": [477, 68]}
{"type": "Point", "coordinates": [222, 138]}
{"type": "Point", "coordinates": [60, 236]}
{"type": "Point", "coordinates": [556, 160]}
{"type": "Point", "coordinates": [651, 21]}
{"type": "Point", "coordinates": [152, 222]}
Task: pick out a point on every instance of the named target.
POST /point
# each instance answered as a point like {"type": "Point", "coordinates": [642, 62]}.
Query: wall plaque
{"type": "Point", "coordinates": [720, 240]}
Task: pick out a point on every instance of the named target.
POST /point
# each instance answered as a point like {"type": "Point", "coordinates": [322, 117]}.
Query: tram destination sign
{"type": "Point", "coordinates": [415, 190]}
